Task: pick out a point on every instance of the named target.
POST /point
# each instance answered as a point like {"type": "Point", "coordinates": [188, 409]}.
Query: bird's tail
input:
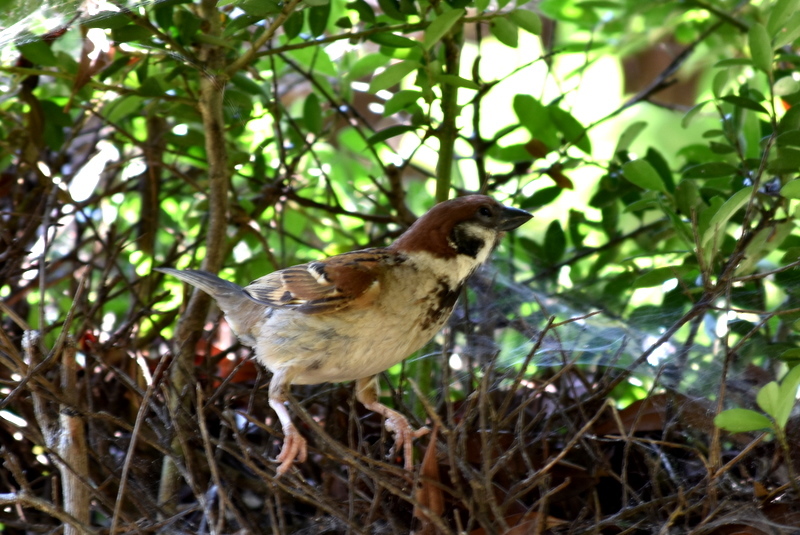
{"type": "Point", "coordinates": [242, 313]}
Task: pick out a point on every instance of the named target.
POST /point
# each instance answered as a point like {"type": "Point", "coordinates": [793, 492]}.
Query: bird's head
{"type": "Point", "coordinates": [467, 227]}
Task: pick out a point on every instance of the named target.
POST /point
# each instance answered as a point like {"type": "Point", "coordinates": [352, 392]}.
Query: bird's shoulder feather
{"type": "Point", "coordinates": [349, 280]}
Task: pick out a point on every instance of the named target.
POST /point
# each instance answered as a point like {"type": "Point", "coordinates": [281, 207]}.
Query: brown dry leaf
{"type": "Point", "coordinates": [536, 148]}
{"type": "Point", "coordinates": [429, 492]}
{"type": "Point", "coordinates": [650, 414]}
{"type": "Point", "coordinates": [561, 180]}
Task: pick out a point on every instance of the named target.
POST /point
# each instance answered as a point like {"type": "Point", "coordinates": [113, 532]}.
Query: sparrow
{"type": "Point", "coordinates": [354, 315]}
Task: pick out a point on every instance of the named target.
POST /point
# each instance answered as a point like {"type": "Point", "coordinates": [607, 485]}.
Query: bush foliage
{"type": "Point", "coordinates": [658, 144]}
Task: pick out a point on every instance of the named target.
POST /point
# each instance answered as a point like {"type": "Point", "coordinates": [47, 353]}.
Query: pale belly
{"type": "Point", "coordinates": [350, 346]}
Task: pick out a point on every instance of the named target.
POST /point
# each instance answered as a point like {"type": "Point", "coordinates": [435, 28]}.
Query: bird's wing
{"type": "Point", "coordinates": [350, 280]}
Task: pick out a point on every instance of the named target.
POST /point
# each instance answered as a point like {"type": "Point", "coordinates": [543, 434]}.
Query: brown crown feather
{"type": "Point", "coordinates": [432, 232]}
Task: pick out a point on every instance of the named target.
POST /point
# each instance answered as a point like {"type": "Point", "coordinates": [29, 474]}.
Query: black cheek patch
{"type": "Point", "coordinates": [466, 243]}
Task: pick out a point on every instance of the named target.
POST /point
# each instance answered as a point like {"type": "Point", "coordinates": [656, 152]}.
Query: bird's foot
{"type": "Point", "coordinates": [294, 448]}
{"type": "Point", "coordinates": [404, 435]}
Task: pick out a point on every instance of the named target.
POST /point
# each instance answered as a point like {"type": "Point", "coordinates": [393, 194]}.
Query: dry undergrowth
{"type": "Point", "coordinates": [510, 452]}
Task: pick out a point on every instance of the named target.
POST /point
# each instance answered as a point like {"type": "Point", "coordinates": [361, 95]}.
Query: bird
{"type": "Point", "coordinates": [354, 315]}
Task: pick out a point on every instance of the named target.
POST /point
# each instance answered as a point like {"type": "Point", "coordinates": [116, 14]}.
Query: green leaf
{"type": "Point", "coordinates": [392, 9]}
{"type": "Point", "coordinates": [392, 40]}
{"type": "Point", "coordinates": [692, 113]}
{"type": "Point", "coordinates": [312, 114]}
{"type": "Point", "coordinates": [760, 47]}
{"type": "Point", "coordinates": [573, 131]}
{"type": "Point", "coordinates": [259, 8]}
{"type": "Point", "coordinates": [392, 75]}
{"type": "Point", "coordinates": [318, 17]}
{"type": "Point", "coordinates": [744, 102]}
{"type": "Point", "coordinates": [742, 421]}
{"type": "Point", "coordinates": [629, 135]}
{"type": "Point", "coordinates": [786, 85]}
{"type": "Point", "coordinates": [641, 173]}
{"type": "Point", "coordinates": [527, 20]}
{"type": "Point", "coordinates": [39, 53]}
{"type": "Point", "coordinates": [658, 276]}
{"type": "Point", "coordinates": [780, 13]}
{"type": "Point", "coordinates": [390, 132]}
{"type": "Point", "coordinates": [787, 396]}
{"type": "Point", "coordinates": [555, 242]}
{"type": "Point", "coordinates": [400, 101]}
{"type": "Point", "coordinates": [733, 62]}
{"type": "Point", "coordinates": [457, 81]}
{"type": "Point", "coordinates": [505, 31]}
{"type": "Point", "coordinates": [535, 117]}
{"type": "Point", "coordinates": [791, 190]}
{"type": "Point", "coordinates": [293, 25]}
{"type": "Point", "coordinates": [790, 31]}
{"type": "Point", "coordinates": [710, 170]}
{"type": "Point", "coordinates": [119, 109]}
{"type": "Point", "coordinates": [246, 84]}
{"type": "Point", "coordinates": [366, 65]}
{"type": "Point", "coordinates": [768, 398]}
{"type": "Point", "coordinates": [541, 197]}
{"type": "Point", "coordinates": [364, 10]}
{"type": "Point", "coordinates": [716, 225]}
{"type": "Point", "coordinates": [787, 160]}
{"type": "Point", "coordinates": [439, 27]}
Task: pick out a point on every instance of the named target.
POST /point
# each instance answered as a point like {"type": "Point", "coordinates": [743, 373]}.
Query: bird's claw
{"type": "Point", "coordinates": [404, 436]}
{"type": "Point", "coordinates": [294, 448]}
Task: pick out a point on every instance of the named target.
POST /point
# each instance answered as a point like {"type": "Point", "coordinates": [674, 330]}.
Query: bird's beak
{"type": "Point", "coordinates": [511, 218]}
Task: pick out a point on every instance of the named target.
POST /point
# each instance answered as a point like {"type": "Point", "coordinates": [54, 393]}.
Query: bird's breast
{"type": "Point", "coordinates": [351, 344]}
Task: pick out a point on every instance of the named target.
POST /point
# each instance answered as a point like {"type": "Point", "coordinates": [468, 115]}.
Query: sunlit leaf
{"type": "Point", "coordinates": [392, 75]}
{"type": "Point", "coordinates": [768, 398]}
{"type": "Point", "coordinates": [641, 173]}
{"type": "Point", "coordinates": [760, 47]}
{"type": "Point", "coordinates": [630, 133]}
{"type": "Point", "coordinates": [787, 396]}
{"type": "Point", "coordinates": [716, 225]}
{"type": "Point", "coordinates": [710, 170]}
{"type": "Point", "coordinates": [658, 276]}
{"type": "Point", "coordinates": [439, 27]}
{"type": "Point", "coordinates": [366, 65]}
{"type": "Point", "coordinates": [780, 14]}
{"type": "Point", "coordinates": [790, 31]}
{"type": "Point", "coordinates": [457, 81]}
{"type": "Point", "coordinates": [536, 118]}
{"type": "Point", "coordinates": [791, 190]}
{"type": "Point", "coordinates": [401, 101]}
{"type": "Point", "coordinates": [390, 132]}
{"type": "Point", "coordinates": [742, 421]}
{"type": "Point", "coordinates": [527, 20]}
{"type": "Point", "coordinates": [505, 31]}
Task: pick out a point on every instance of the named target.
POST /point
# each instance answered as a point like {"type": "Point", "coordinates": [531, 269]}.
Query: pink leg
{"type": "Point", "coordinates": [294, 445]}
{"type": "Point", "coordinates": [396, 423]}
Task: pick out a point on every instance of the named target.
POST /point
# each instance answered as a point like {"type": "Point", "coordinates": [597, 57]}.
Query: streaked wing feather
{"type": "Point", "coordinates": [339, 282]}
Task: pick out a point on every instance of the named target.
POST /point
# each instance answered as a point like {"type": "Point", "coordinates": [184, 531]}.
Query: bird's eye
{"type": "Point", "coordinates": [485, 211]}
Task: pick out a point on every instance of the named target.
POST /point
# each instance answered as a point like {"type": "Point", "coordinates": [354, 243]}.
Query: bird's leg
{"type": "Point", "coordinates": [404, 434]}
{"type": "Point", "coordinates": [294, 445]}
